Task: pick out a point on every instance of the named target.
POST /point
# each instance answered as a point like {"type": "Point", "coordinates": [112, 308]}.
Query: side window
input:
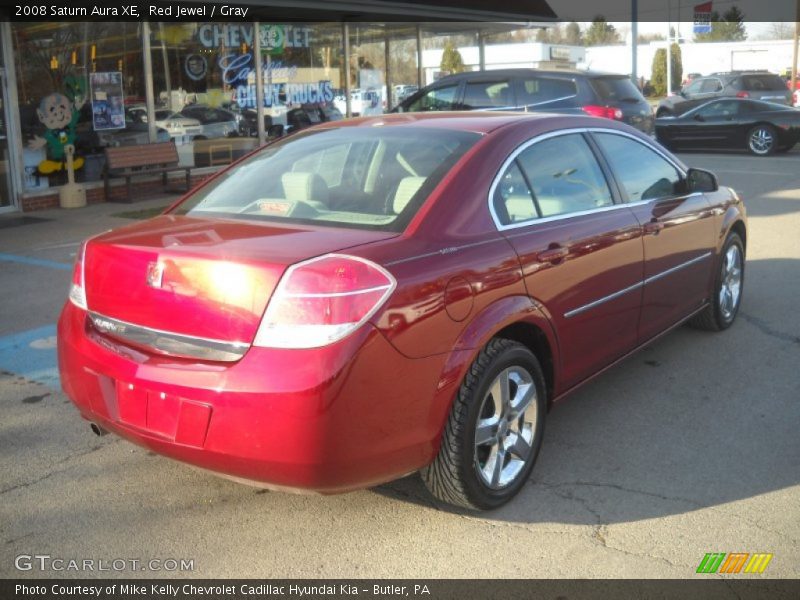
{"type": "Point", "coordinates": [438, 99]}
{"type": "Point", "coordinates": [513, 201]}
{"type": "Point", "coordinates": [711, 85]}
{"type": "Point", "coordinates": [487, 94]}
{"type": "Point", "coordinates": [643, 173]}
{"type": "Point", "coordinates": [543, 90]}
{"type": "Point", "coordinates": [564, 176]}
{"type": "Point", "coordinates": [726, 108]}
{"type": "Point", "coordinates": [695, 86]}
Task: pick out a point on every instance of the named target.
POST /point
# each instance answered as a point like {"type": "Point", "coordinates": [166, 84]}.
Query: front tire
{"type": "Point", "coordinates": [728, 288]}
{"type": "Point", "coordinates": [762, 140]}
{"type": "Point", "coordinates": [494, 431]}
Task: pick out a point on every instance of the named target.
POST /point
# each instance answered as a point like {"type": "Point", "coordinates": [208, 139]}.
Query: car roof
{"type": "Point", "coordinates": [563, 73]}
{"type": "Point", "coordinates": [483, 122]}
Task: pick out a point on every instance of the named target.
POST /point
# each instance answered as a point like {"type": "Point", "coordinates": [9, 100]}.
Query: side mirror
{"type": "Point", "coordinates": [700, 118]}
{"type": "Point", "coordinates": [698, 180]}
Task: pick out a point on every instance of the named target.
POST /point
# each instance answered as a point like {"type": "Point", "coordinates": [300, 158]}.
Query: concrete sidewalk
{"type": "Point", "coordinates": [36, 255]}
{"type": "Point", "coordinates": [59, 228]}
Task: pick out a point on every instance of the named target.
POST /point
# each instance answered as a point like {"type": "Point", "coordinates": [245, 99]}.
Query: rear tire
{"type": "Point", "coordinates": [762, 140]}
{"type": "Point", "coordinates": [494, 431]}
{"type": "Point", "coordinates": [728, 288]}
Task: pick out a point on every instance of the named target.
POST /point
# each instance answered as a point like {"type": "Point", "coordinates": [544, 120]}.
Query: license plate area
{"type": "Point", "coordinates": [180, 420]}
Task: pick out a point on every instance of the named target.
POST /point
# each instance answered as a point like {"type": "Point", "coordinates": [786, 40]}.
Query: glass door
{"type": "Point", "coordinates": [5, 164]}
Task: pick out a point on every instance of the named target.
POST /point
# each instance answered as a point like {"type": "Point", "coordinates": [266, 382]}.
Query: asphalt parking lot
{"type": "Point", "coordinates": [689, 447]}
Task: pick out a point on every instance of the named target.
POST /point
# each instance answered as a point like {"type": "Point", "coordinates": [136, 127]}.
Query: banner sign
{"type": "Point", "coordinates": [702, 18]}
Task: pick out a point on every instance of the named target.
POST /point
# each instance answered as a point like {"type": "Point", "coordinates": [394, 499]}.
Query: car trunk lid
{"type": "Point", "coordinates": [175, 283]}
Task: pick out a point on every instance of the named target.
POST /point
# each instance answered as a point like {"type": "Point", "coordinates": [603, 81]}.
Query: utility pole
{"type": "Point", "coordinates": [794, 51]}
{"type": "Point", "coordinates": [634, 41]}
{"type": "Point", "coordinates": [669, 54]}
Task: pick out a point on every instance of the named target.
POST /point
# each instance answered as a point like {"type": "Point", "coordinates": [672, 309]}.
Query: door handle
{"type": "Point", "coordinates": [553, 255]}
{"type": "Point", "coordinates": [653, 227]}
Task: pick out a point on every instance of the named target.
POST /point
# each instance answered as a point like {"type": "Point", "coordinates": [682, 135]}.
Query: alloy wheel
{"type": "Point", "coordinates": [730, 282]}
{"type": "Point", "coordinates": [505, 428]}
{"type": "Point", "coordinates": [761, 140]}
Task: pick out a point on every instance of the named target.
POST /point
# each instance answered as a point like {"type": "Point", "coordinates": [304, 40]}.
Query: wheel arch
{"type": "Point", "coordinates": [532, 336]}
{"type": "Point", "coordinates": [519, 318]}
{"type": "Point", "coordinates": [739, 228]}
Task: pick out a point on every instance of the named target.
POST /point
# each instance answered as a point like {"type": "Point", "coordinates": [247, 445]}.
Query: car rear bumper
{"type": "Point", "coordinates": [347, 416]}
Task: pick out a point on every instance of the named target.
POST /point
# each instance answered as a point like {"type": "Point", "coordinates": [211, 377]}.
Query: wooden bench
{"type": "Point", "coordinates": [145, 159]}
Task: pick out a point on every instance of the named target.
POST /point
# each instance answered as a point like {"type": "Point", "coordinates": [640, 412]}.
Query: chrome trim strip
{"type": "Point", "coordinates": [550, 101]}
{"type": "Point", "coordinates": [671, 270]}
{"type": "Point", "coordinates": [551, 134]}
{"type": "Point", "coordinates": [580, 213]}
{"type": "Point", "coordinates": [169, 343]}
{"type": "Point", "coordinates": [617, 294]}
{"type": "Point", "coordinates": [652, 278]}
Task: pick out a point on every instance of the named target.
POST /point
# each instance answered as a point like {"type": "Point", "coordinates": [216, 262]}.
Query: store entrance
{"type": "Point", "coordinates": [5, 166]}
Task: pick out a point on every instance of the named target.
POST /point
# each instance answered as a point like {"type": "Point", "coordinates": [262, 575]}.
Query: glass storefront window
{"type": "Point", "coordinates": [83, 84]}
{"type": "Point", "coordinates": [367, 70]}
{"type": "Point", "coordinates": [57, 65]}
{"type": "Point", "coordinates": [204, 77]}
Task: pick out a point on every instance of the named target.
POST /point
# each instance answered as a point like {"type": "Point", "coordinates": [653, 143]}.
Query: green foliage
{"type": "Point", "coordinates": [729, 28]}
{"type": "Point", "coordinates": [451, 59]}
{"type": "Point", "coordinates": [601, 33]}
{"type": "Point", "coordinates": [658, 78]}
{"type": "Point", "coordinates": [573, 34]}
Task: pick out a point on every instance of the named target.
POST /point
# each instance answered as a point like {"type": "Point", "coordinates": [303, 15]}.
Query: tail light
{"type": "Point", "coordinates": [743, 95]}
{"type": "Point", "coordinates": [606, 112]}
{"type": "Point", "coordinates": [77, 290]}
{"type": "Point", "coordinates": [323, 300]}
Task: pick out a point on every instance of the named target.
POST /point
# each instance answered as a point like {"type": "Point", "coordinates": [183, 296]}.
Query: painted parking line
{"type": "Point", "coordinates": [32, 354]}
{"type": "Point", "coordinates": [37, 262]}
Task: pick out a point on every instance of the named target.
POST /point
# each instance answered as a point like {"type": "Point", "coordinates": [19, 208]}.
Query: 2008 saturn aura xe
{"type": "Point", "coordinates": [375, 297]}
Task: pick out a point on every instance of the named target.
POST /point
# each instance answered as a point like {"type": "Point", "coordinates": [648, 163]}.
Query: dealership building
{"type": "Point", "coordinates": [216, 88]}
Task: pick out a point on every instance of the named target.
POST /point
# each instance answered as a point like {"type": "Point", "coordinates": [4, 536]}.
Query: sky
{"type": "Point", "coordinates": [754, 28]}
{"type": "Point", "coordinates": [658, 11]}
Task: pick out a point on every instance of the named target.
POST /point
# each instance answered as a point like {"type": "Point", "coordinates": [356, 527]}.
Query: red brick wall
{"type": "Point", "coordinates": [140, 189]}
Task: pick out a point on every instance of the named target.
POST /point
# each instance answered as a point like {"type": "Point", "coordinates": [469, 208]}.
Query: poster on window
{"type": "Point", "coordinates": [108, 108]}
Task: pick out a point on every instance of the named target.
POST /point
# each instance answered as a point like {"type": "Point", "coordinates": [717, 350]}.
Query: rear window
{"type": "Point", "coordinates": [763, 83]}
{"type": "Point", "coordinates": [373, 178]}
{"type": "Point", "coordinates": [615, 89]}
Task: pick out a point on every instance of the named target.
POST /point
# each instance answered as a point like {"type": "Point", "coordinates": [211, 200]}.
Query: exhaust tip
{"type": "Point", "coordinates": [97, 430]}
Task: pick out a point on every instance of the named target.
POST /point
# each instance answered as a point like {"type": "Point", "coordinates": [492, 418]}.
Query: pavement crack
{"type": "Point", "coordinates": [620, 488]}
{"type": "Point", "coordinates": [693, 504]}
{"type": "Point", "coordinates": [765, 328]}
{"type": "Point", "coordinates": [65, 459]}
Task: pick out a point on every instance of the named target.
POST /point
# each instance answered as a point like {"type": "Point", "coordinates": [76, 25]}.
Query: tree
{"type": "Point", "coordinates": [646, 38]}
{"type": "Point", "coordinates": [451, 59]}
{"type": "Point", "coordinates": [573, 34]}
{"type": "Point", "coordinates": [777, 31]}
{"type": "Point", "coordinates": [729, 28]}
{"type": "Point", "coordinates": [601, 33]}
{"type": "Point", "coordinates": [550, 35]}
{"type": "Point", "coordinates": [659, 77]}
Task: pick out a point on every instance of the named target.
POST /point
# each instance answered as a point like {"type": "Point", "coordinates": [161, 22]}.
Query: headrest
{"type": "Point", "coordinates": [406, 189]}
{"type": "Point", "coordinates": [304, 187]}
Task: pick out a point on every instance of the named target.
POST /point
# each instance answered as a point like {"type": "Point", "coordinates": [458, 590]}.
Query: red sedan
{"type": "Point", "coordinates": [375, 297]}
